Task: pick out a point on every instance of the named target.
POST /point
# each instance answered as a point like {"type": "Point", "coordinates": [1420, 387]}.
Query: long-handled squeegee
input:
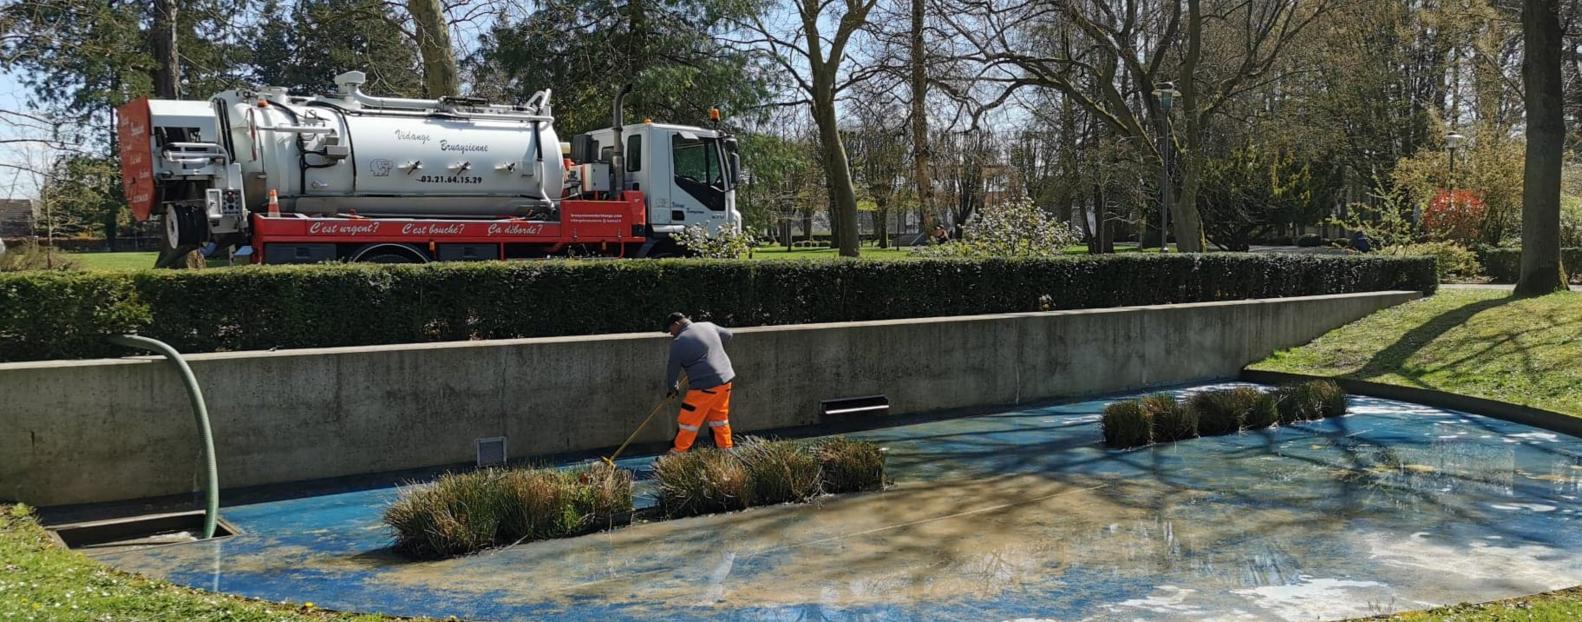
{"type": "Point", "coordinates": [611, 460]}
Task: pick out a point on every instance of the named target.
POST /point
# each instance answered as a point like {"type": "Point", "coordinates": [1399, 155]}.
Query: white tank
{"type": "Point", "coordinates": [400, 157]}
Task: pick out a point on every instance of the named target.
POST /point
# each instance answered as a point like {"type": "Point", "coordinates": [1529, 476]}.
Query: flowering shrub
{"type": "Point", "coordinates": [729, 243]}
{"type": "Point", "coordinates": [1455, 216]}
{"type": "Point", "coordinates": [1013, 229]}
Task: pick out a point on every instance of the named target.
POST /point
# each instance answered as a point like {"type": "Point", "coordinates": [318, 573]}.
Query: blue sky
{"type": "Point", "coordinates": [13, 183]}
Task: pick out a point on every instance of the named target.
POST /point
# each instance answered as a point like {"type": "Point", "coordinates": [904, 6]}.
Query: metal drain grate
{"type": "Point", "coordinates": [491, 451]}
{"type": "Point", "coordinates": [863, 405]}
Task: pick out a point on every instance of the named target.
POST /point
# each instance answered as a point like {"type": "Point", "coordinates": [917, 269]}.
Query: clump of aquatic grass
{"type": "Point", "coordinates": [461, 513]}
{"type": "Point", "coordinates": [702, 481]}
{"type": "Point", "coordinates": [849, 465]}
{"type": "Point", "coordinates": [1331, 398]}
{"type": "Point", "coordinates": [1228, 411]}
{"type": "Point", "coordinates": [536, 505]}
{"type": "Point", "coordinates": [1171, 422]}
{"type": "Point", "coordinates": [601, 493]}
{"type": "Point", "coordinates": [1127, 424]}
{"type": "Point", "coordinates": [780, 471]}
{"type": "Point", "coordinates": [1307, 401]}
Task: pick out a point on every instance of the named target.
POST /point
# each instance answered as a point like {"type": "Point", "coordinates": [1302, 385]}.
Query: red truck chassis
{"type": "Point", "coordinates": [586, 227]}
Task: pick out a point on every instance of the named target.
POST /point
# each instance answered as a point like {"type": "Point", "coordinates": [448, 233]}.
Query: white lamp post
{"type": "Point", "coordinates": [1166, 94]}
{"type": "Point", "coordinates": [1452, 141]}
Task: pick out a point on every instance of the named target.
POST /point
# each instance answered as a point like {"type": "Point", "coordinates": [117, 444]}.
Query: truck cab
{"type": "Point", "coordinates": [687, 174]}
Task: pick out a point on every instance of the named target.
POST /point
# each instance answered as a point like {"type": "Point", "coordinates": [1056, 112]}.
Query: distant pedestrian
{"type": "Point", "coordinates": [941, 236]}
{"type": "Point", "coordinates": [1359, 241]}
{"type": "Point", "coordinates": [699, 349]}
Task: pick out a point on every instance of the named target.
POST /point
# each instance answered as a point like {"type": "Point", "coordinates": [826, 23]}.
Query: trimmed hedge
{"type": "Point", "coordinates": [1504, 265]}
{"type": "Point", "coordinates": [56, 315]}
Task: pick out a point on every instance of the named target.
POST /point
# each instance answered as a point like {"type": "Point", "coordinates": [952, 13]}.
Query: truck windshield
{"type": "Point", "coordinates": [698, 169]}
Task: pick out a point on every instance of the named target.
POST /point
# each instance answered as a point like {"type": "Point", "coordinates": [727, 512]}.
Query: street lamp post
{"type": "Point", "coordinates": [1166, 94]}
{"type": "Point", "coordinates": [1452, 141]}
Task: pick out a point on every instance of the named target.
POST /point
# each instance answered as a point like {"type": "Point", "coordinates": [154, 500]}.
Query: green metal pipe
{"type": "Point", "coordinates": [199, 410]}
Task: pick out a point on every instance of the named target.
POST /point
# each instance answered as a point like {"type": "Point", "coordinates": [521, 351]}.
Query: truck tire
{"type": "Point", "coordinates": [389, 253]}
{"type": "Point", "coordinates": [387, 258]}
{"type": "Point", "coordinates": [184, 227]}
{"type": "Point", "coordinates": [180, 228]}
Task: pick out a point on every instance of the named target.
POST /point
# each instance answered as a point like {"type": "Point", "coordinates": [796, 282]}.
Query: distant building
{"type": "Point", "coordinates": [17, 217]}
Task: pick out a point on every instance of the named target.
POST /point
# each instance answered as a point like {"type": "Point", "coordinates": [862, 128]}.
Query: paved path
{"type": "Point", "coordinates": [1499, 286]}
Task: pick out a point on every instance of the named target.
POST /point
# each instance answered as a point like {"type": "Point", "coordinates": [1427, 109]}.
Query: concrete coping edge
{"type": "Point", "coordinates": [1515, 413]}
{"type": "Point", "coordinates": [657, 335]}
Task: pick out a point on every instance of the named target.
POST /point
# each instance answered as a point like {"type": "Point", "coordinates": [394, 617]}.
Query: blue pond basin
{"type": "Point", "coordinates": [1016, 515]}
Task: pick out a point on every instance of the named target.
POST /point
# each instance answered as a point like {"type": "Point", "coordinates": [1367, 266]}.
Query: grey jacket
{"type": "Point", "coordinates": [700, 350]}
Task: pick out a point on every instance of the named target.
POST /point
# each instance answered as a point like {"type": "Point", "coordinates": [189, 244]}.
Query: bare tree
{"type": "Point", "coordinates": [1108, 56]}
{"type": "Point", "coordinates": [815, 59]}
{"type": "Point", "coordinates": [918, 74]}
{"type": "Point", "coordinates": [431, 31]}
{"type": "Point", "coordinates": [879, 148]}
{"type": "Point", "coordinates": [1542, 271]}
{"type": "Point", "coordinates": [167, 58]}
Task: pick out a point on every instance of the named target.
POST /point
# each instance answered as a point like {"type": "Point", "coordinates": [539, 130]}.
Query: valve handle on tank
{"type": "Point", "coordinates": [507, 167]}
{"type": "Point", "coordinates": [412, 166]}
{"type": "Point", "coordinates": [462, 167]}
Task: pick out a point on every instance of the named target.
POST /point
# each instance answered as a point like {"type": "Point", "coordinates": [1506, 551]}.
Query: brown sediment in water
{"type": "Point", "coordinates": [933, 542]}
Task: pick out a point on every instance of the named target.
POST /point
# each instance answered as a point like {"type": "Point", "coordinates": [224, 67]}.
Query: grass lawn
{"type": "Point", "coordinates": [868, 252]}
{"type": "Point", "coordinates": [1561, 606]}
{"type": "Point", "coordinates": [129, 260]}
{"type": "Point", "coordinates": [1473, 342]}
{"type": "Point", "coordinates": [39, 581]}
{"type": "Point", "coordinates": [123, 261]}
{"type": "Point", "coordinates": [874, 252]}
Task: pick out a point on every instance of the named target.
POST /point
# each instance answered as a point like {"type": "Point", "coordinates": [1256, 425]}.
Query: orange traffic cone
{"type": "Point", "coordinates": [274, 204]}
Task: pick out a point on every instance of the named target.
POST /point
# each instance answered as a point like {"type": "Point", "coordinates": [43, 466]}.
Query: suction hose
{"type": "Point", "coordinates": [211, 513]}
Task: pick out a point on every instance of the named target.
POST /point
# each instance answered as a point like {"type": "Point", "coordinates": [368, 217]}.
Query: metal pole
{"type": "Point", "coordinates": [200, 412]}
{"type": "Point", "coordinates": [1164, 185]}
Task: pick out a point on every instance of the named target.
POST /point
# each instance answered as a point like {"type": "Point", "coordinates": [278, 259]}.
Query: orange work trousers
{"type": "Point", "coordinates": [711, 405]}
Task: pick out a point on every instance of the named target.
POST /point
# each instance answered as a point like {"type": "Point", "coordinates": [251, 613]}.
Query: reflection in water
{"type": "Point", "coordinates": [1014, 515]}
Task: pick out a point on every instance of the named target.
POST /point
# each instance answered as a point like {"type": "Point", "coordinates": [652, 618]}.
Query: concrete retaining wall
{"type": "Point", "coordinates": [100, 430]}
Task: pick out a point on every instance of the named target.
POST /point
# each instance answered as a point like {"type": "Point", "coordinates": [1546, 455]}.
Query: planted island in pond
{"type": "Point", "coordinates": [462, 513]}
{"type": "Point", "coordinates": [1161, 418]}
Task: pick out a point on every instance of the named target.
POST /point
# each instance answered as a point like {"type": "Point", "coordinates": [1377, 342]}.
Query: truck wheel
{"type": "Point", "coordinates": [387, 258]}
{"type": "Point", "coordinates": [388, 253]}
{"type": "Point", "coordinates": [184, 227]}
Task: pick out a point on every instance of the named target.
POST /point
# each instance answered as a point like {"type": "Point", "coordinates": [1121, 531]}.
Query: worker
{"type": "Point", "coordinates": [699, 349]}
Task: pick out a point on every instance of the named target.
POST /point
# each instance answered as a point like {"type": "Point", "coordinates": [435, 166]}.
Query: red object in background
{"type": "Point", "coordinates": [1455, 215]}
{"type": "Point", "coordinates": [581, 223]}
{"type": "Point", "coordinates": [132, 126]}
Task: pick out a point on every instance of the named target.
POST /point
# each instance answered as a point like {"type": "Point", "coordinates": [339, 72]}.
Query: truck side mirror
{"type": "Point", "coordinates": [736, 168]}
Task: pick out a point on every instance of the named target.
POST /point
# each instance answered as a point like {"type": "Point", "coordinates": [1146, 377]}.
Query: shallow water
{"type": "Point", "coordinates": [1015, 515]}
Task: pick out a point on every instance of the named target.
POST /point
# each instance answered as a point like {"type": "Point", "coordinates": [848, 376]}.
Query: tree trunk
{"type": "Point", "coordinates": [433, 44]}
{"type": "Point", "coordinates": [1188, 222]}
{"type": "Point", "coordinates": [881, 221]}
{"type": "Point", "coordinates": [921, 154]}
{"type": "Point", "coordinates": [1542, 271]}
{"type": "Point", "coordinates": [167, 60]}
{"type": "Point", "coordinates": [1068, 160]}
{"type": "Point", "coordinates": [837, 168]}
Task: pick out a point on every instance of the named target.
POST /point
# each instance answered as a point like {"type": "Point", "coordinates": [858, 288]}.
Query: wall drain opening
{"type": "Point", "coordinates": [863, 405]}
{"type": "Point", "coordinates": [491, 451]}
{"type": "Point", "coordinates": [139, 531]}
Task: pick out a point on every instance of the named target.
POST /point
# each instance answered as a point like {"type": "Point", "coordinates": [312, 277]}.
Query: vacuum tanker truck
{"type": "Point", "coordinates": [356, 177]}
